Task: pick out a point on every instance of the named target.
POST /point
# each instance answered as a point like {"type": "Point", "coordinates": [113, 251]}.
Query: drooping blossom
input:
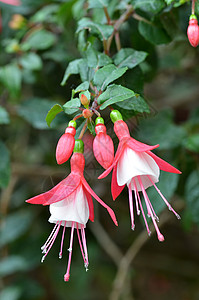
{"type": "Point", "coordinates": [71, 205]}
{"type": "Point", "coordinates": [193, 31]}
{"type": "Point", "coordinates": [103, 148]}
{"type": "Point", "coordinates": [137, 167]}
{"type": "Point", "coordinates": [66, 144]}
{"type": "Point", "coordinates": [11, 2]}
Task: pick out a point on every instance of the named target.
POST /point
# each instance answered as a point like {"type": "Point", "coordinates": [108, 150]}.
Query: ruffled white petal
{"type": "Point", "coordinates": [72, 209]}
{"type": "Point", "coordinates": [133, 164]}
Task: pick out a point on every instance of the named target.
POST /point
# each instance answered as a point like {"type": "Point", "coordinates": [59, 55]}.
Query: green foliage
{"type": "Point", "coordinates": [39, 40]}
{"type": "Point", "coordinates": [52, 113]}
{"type": "Point", "coordinates": [129, 58]}
{"type": "Point", "coordinates": [72, 106]}
{"type": "Point", "coordinates": [10, 76]}
{"type": "Point", "coordinates": [4, 116]}
{"type": "Point", "coordinates": [151, 6]}
{"type": "Point", "coordinates": [4, 166]}
{"type": "Point", "coordinates": [153, 33]}
{"type": "Point", "coordinates": [192, 195]}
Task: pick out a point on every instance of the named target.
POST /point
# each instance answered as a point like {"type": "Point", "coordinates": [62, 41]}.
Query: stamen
{"type": "Point", "coordinates": [136, 200]}
{"type": "Point", "coordinates": [153, 211]}
{"type": "Point", "coordinates": [80, 243]}
{"type": "Point", "coordinates": [164, 199]}
{"type": "Point", "coordinates": [67, 275]}
{"type": "Point", "coordinates": [85, 247]}
{"type": "Point", "coordinates": [142, 210]}
{"type": "Point", "coordinates": [44, 246]}
{"type": "Point", "coordinates": [51, 243]}
{"type": "Point", "coordinates": [62, 241]}
{"type": "Point", "coordinates": [131, 209]}
{"type": "Point", "coordinates": [160, 236]}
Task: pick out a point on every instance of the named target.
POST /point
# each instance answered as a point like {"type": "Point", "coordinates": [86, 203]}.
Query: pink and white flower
{"type": "Point", "coordinates": [137, 167]}
{"type": "Point", "coordinates": [11, 2]}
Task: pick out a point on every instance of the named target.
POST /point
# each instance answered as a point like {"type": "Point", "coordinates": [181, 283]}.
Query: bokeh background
{"type": "Point", "coordinates": [123, 264]}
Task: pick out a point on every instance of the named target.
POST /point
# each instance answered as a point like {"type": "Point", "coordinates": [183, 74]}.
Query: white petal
{"type": "Point", "coordinates": [132, 164]}
{"type": "Point", "coordinates": [72, 209]}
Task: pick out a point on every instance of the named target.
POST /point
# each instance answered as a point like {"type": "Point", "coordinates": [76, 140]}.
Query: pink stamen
{"type": "Point", "coordinates": [142, 210]}
{"type": "Point", "coordinates": [153, 211]}
{"type": "Point", "coordinates": [131, 209]}
{"type": "Point", "coordinates": [62, 241]}
{"type": "Point", "coordinates": [85, 247]}
{"type": "Point", "coordinates": [164, 199]}
{"type": "Point", "coordinates": [136, 200]}
{"type": "Point", "coordinates": [45, 244]}
{"type": "Point", "coordinates": [80, 244]}
{"type": "Point", "coordinates": [160, 236]}
{"type": "Point", "coordinates": [52, 242]}
{"type": "Point", "coordinates": [67, 275]}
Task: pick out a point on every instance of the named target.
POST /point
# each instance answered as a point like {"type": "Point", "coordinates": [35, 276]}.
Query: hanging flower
{"type": "Point", "coordinates": [103, 148]}
{"type": "Point", "coordinates": [11, 2]}
{"type": "Point", "coordinates": [71, 205]}
{"type": "Point", "coordinates": [66, 144]}
{"type": "Point", "coordinates": [137, 167]}
{"type": "Point", "coordinates": [193, 31]}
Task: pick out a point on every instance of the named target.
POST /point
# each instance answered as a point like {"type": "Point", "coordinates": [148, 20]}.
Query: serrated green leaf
{"type": "Point", "coordinates": [98, 3]}
{"type": "Point", "coordinates": [150, 6]}
{"type": "Point", "coordinates": [91, 56]}
{"type": "Point", "coordinates": [34, 111]}
{"type": "Point", "coordinates": [31, 61]}
{"type": "Point", "coordinates": [106, 75]}
{"type": "Point", "coordinates": [52, 113]}
{"type": "Point", "coordinates": [82, 87]}
{"type": "Point", "coordinates": [4, 166]}
{"type": "Point", "coordinates": [192, 195]}
{"type": "Point", "coordinates": [103, 31]}
{"type": "Point", "coordinates": [11, 77]}
{"type": "Point", "coordinates": [128, 57]}
{"type": "Point", "coordinates": [114, 94]}
{"type": "Point", "coordinates": [135, 104]}
{"type": "Point", "coordinates": [39, 40]}
{"type": "Point", "coordinates": [103, 60]}
{"type": "Point", "coordinates": [153, 33]}
{"type": "Point", "coordinates": [4, 116]}
{"type": "Point", "coordinates": [72, 106]}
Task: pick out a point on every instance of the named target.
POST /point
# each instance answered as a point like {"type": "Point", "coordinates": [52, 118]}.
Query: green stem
{"type": "Point", "coordinates": [117, 41]}
{"type": "Point", "coordinates": [107, 15]}
{"type": "Point", "coordinates": [193, 7]}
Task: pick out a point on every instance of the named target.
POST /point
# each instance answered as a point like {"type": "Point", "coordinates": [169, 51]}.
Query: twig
{"type": "Point", "coordinates": [107, 15]}
{"type": "Point", "coordinates": [6, 195]}
{"type": "Point", "coordinates": [117, 41]}
{"type": "Point", "coordinates": [193, 7]}
{"type": "Point", "coordinates": [82, 131]}
{"type": "Point", "coordinates": [139, 18]}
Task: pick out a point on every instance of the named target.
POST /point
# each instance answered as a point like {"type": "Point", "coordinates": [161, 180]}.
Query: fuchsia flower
{"type": "Point", "coordinates": [137, 167]}
{"type": "Point", "coordinates": [103, 148]}
{"type": "Point", "coordinates": [66, 144]}
{"type": "Point", "coordinates": [71, 205]}
{"type": "Point", "coordinates": [193, 31]}
{"type": "Point", "coordinates": [11, 2]}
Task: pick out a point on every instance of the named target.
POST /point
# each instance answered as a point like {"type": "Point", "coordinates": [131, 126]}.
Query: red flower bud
{"type": "Point", "coordinates": [103, 147]}
{"type": "Point", "coordinates": [65, 145]}
{"type": "Point", "coordinates": [87, 113]}
{"type": "Point", "coordinates": [84, 100]}
{"type": "Point", "coordinates": [193, 32]}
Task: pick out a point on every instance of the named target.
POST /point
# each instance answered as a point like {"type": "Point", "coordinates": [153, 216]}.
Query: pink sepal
{"type": "Point", "coordinates": [163, 165]}
{"type": "Point", "coordinates": [138, 146]}
{"type": "Point", "coordinates": [115, 188]}
{"type": "Point", "coordinates": [103, 150]}
{"type": "Point", "coordinates": [64, 148]}
{"type": "Point", "coordinates": [90, 205]}
{"type": "Point", "coordinates": [11, 2]}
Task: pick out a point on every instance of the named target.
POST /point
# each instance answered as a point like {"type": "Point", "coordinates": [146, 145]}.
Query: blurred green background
{"type": "Point", "coordinates": [34, 52]}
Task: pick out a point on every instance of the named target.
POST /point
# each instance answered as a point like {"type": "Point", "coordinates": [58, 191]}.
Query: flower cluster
{"type": "Point", "coordinates": [70, 201]}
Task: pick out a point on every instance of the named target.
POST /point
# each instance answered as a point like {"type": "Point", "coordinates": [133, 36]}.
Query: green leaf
{"type": "Point", "coordinates": [153, 33]}
{"type": "Point", "coordinates": [103, 31]}
{"type": "Point", "coordinates": [91, 127]}
{"type": "Point", "coordinates": [98, 3]}
{"type": "Point", "coordinates": [82, 87]}
{"type": "Point", "coordinates": [4, 116]}
{"type": "Point", "coordinates": [130, 58]}
{"type": "Point", "coordinates": [12, 264]}
{"type": "Point", "coordinates": [34, 111]}
{"type": "Point", "coordinates": [114, 94]}
{"type": "Point", "coordinates": [52, 113]}
{"type": "Point", "coordinates": [192, 142]}
{"type": "Point", "coordinates": [45, 13]}
{"type": "Point", "coordinates": [192, 195]}
{"type": "Point", "coordinates": [136, 104]}
{"type": "Point", "coordinates": [11, 293]}
{"type": "Point", "coordinates": [4, 166]}
{"type": "Point", "coordinates": [103, 60]}
{"type": "Point", "coordinates": [31, 61]}
{"type": "Point", "coordinates": [106, 75]}
{"type": "Point", "coordinates": [39, 40]}
{"type": "Point", "coordinates": [72, 106]}
{"type": "Point", "coordinates": [91, 56]}
{"type": "Point", "coordinates": [73, 68]}
{"type": "Point", "coordinates": [14, 226]}
{"type": "Point", "coordinates": [11, 76]}
{"type": "Point", "coordinates": [151, 6]}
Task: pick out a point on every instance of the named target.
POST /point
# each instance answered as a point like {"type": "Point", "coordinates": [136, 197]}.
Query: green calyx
{"type": "Point", "coordinates": [72, 123]}
{"type": "Point", "coordinates": [99, 120]}
{"type": "Point", "coordinates": [79, 147]}
{"type": "Point", "coordinates": [192, 17]}
{"type": "Point", "coordinates": [115, 116]}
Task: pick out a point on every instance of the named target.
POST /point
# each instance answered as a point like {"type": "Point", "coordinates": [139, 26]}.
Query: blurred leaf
{"type": "Point", "coordinates": [73, 68]}
{"type": "Point", "coordinates": [153, 33]}
{"type": "Point", "coordinates": [135, 104]}
{"type": "Point", "coordinates": [98, 3]}
{"type": "Point", "coordinates": [12, 264]}
{"type": "Point", "coordinates": [39, 40]}
{"type": "Point", "coordinates": [72, 106]}
{"type": "Point", "coordinates": [10, 76]}
{"type": "Point", "coordinates": [34, 111]}
{"type": "Point", "coordinates": [106, 75]}
{"type": "Point", "coordinates": [4, 116]}
{"type": "Point", "coordinates": [4, 166]}
{"type": "Point", "coordinates": [103, 60]}
{"type": "Point", "coordinates": [151, 6]}
{"type": "Point", "coordinates": [14, 226]}
{"type": "Point", "coordinates": [11, 293]}
{"type": "Point", "coordinates": [31, 61]}
{"type": "Point", "coordinates": [128, 57]}
{"type": "Point", "coordinates": [114, 94]}
{"type": "Point", "coordinates": [91, 127]}
{"type": "Point", "coordinates": [192, 195]}
{"type": "Point", "coordinates": [91, 55]}
{"type": "Point", "coordinates": [82, 87]}
{"type": "Point", "coordinates": [52, 113]}
{"type": "Point", "coordinates": [192, 142]}
{"type": "Point", "coordinates": [103, 31]}
{"type": "Point", "coordinates": [45, 13]}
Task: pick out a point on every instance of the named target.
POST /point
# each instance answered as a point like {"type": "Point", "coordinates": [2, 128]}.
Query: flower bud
{"type": "Point", "coordinates": [84, 100]}
{"type": "Point", "coordinates": [66, 144]}
{"type": "Point", "coordinates": [103, 148]}
{"type": "Point", "coordinates": [87, 113]}
{"type": "Point", "coordinates": [193, 31]}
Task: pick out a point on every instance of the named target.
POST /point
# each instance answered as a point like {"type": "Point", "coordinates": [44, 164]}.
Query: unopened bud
{"type": "Point", "coordinates": [84, 100]}
{"type": "Point", "coordinates": [17, 22]}
{"type": "Point", "coordinates": [87, 113]}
